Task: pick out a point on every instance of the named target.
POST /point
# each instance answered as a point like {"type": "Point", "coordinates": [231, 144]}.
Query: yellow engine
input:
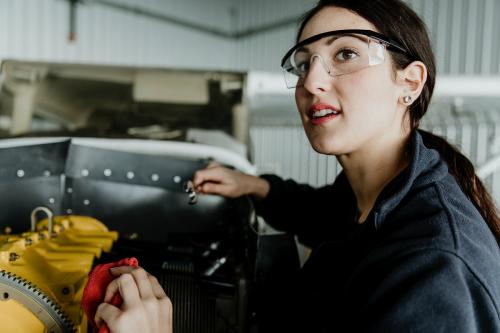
{"type": "Point", "coordinates": [43, 273]}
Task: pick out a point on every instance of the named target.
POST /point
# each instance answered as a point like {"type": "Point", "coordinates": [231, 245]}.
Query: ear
{"type": "Point", "coordinates": [411, 81]}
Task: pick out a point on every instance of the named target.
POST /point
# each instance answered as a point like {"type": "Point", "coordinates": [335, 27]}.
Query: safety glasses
{"type": "Point", "coordinates": [339, 52]}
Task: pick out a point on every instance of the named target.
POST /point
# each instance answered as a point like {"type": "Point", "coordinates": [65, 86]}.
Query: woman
{"type": "Point", "coordinates": [406, 239]}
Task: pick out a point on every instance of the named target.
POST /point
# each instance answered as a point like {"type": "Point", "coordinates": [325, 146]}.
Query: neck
{"type": "Point", "coordinates": [372, 167]}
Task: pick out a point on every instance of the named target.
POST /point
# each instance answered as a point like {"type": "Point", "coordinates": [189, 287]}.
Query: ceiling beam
{"type": "Point", "coordinates": [244, 33]}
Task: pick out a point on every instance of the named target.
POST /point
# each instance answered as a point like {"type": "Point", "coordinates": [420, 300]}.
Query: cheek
{"type": "Point", "coordinates": [367, 94]}
{"type": "Point", "coordinates": [300, 99]}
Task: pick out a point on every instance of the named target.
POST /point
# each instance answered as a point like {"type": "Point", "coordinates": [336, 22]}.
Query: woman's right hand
{"type": "Point", "coordinates": [145, 307]}
{"type": "Point", "coordinates": [216, 179]}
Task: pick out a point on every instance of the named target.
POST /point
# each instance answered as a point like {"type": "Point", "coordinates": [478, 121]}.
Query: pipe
{"type": "Point", "coordinates": [72, 20]}
{"type": "Point", "coordinates": [195, 26]}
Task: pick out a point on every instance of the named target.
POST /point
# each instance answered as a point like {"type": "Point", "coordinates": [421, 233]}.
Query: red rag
{"type": "Point", "coordinates": [95, 289]}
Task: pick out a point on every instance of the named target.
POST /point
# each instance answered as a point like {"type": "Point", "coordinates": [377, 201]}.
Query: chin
{"type": "Point", "coordinates": [325, 147]}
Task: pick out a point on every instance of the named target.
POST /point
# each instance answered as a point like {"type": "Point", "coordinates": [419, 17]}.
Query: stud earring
{"type": "Point", "coordinates": [407, 99]}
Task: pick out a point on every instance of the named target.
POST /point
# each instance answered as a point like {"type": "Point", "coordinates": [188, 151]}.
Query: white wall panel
{"type": "Point", "coordinates": [264, 51]}
{"type": "Point", "coordinates": [38, 30]}
{"type": "Point", "coordinates": [285, 150]}
{"type": "Point", "coordinates": [464, 32]}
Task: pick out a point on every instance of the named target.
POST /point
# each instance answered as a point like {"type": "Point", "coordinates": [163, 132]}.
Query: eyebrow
{"type": "Point", "coordinates": [328, 42]}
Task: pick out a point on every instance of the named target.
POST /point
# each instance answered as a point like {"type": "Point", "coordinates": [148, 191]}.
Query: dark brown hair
{"type": "Point", "coordinates": [397, 20]}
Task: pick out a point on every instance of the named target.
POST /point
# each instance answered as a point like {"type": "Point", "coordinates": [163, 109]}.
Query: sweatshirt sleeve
{"type": "Point", "coordinates": [314, 214]}
{"type": "Point", "coordinates": [426, 291]}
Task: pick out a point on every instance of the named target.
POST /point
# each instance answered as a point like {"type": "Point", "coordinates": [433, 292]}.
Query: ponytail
{"type": "Point", "coordinates": [463, 171]}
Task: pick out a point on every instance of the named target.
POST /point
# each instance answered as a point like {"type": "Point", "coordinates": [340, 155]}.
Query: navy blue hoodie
{"type": "Point", "coordinates": [423, 261]}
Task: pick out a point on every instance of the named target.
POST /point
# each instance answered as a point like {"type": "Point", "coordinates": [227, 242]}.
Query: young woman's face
{"type": "Point", "coordinates": [367, 100]}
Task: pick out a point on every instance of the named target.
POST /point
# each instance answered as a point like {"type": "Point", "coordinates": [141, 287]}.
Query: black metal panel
{"type": "Point", "coordinates": [33, 161]}
{"type": "Point", "coordinates": [30, 176]}
{"type": "Point", "coordinates": [149, 212]}
{"type": "Point", "coordinates": [19, 198]}
{"type": "Point", "coordinates": [130, 168]}
{"type": "Point", "coordinates": [140, 194]}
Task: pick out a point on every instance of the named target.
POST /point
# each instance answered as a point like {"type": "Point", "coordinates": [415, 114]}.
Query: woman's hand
{"type": "Point", "coordinates": [216, 179]}
{"type": "Point", "coordinates": [145, 307]}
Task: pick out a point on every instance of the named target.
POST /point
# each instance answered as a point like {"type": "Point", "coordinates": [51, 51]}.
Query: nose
{"type": "Point", "coordinates": [318, 79]}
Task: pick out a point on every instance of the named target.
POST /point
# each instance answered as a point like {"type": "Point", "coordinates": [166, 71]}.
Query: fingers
{"type": "Point", "coordinates": [214, 188]}
{"type": "Point", "coordinates": [128, 289]}
{"type": "Point", "coordinates": [212, 164]}
{"type": "Point", "coordinates": [146, 307]}
{"type": "Point", "coordinates": [213, 174]}
{"type": "Point", "coordinates": [126, 286]}
{"type": "Point", "coordinates": [140, 281]}
{"type": "Point", "coordinates": [143, 283]}
{"type": "Point", "coordinates": [106, 313]}
{"type": "Point", "coordinates": [117, 271]}
{"type": "Point", "coordinates": [219, 180]}
{"type": "Point", "coordinates": [157, 288]}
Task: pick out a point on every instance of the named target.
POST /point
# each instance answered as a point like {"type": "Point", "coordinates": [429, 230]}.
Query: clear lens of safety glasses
{"type": "Point", "coordinates": [337, 54]}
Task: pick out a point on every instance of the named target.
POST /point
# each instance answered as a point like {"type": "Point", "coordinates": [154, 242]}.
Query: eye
{"type": "Point", "coordinates": [302, 67]}
{"type": "Point", "coordinates": [346, 55]}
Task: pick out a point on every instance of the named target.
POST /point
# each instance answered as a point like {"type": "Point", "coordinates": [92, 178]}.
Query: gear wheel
{"type": "Point", "coordinates": [31, 297]}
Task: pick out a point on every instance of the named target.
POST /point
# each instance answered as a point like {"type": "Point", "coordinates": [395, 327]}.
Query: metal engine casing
{"type": "Point", "coordinates": [43, 273]}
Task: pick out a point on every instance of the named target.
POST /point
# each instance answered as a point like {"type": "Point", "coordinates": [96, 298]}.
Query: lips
{"type": "Point", "coordinates": [320, 113]}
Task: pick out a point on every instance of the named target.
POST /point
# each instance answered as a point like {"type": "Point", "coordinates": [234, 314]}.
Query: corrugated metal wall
{"type": "Point", "coordinates": [285, 150]}
{"type": "Point", "coordinates": [263, 51]}
{"type": "Point", "coordinates": [38, 30]}
{"type": "Point", "coordinates": [465, 33]}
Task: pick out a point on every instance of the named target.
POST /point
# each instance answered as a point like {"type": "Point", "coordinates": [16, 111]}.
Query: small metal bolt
{"type": "Point", "coordinates": [130, 175]}
{"type": "Point", "coordinates": [86, 202]}
{"type": "Point", "coordinates": [28, 241]}
{"type": "Point", "coordinates": [155, 177]}
{"type": "Point", "coordinates": [20, 173]}
{"type": "Point", "coordinates": [189, 189]}
{"type": "Point", "coordinates": [85, 172]}
{"type": "Point", "coordinates": [69, 190]}
{"type": "Point", "coordinates": [13, 256]}
{"type": "Point", "coordinates": [108, 172]}
{"type": "Point", "coordinates": [65, 291]}
{"type": "Point", "coordinates": [52, 200]}
{"type": "Point", "coordinates": [177, 179]}
{"type": "Point", "coordinates": [46, 173]}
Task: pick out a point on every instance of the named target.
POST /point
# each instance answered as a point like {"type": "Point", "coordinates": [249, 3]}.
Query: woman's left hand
{"type": "Point", "coordinates": [145, 307]}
